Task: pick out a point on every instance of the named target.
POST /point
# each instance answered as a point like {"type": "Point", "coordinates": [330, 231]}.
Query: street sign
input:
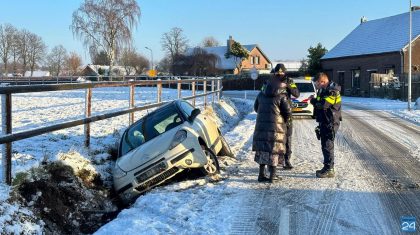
{"type": "Point", "coordinates": [254, 74]}
{"type": "Point", "coordinates": [152, 73]}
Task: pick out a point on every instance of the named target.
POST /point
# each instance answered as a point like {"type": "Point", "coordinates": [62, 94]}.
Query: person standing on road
{"type": "Point", "coordinates": [327, 111]}
{"type": "Point", "coordinates": [280, 73]}
{"type": "Point", "coordinates": [273, 110]}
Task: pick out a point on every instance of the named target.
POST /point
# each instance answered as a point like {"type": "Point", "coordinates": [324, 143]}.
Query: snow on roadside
{"type": "Point", "coordinates": [33, 110]}
{"type": "Point", "coordinates": [395, 107]}
{"type": "Point", "coordinates": [195, 205]}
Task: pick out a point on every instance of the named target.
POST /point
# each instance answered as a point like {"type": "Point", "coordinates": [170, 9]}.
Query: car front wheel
{"type": "Point", "coordinates": [212, 166]}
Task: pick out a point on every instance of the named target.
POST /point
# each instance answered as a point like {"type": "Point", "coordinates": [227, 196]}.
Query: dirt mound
{"type": "Point", "coordinates": [67, 204]}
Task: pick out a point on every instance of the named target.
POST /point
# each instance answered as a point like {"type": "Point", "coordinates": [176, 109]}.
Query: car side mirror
{"type": "Point", "coordinates": [194, 114]}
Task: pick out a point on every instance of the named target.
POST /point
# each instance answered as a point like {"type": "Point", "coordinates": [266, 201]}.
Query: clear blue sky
{"type": "Point", "coordinates": [283, 29]}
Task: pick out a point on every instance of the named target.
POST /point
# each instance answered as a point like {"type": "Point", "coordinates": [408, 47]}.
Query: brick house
{"type": "Point", "coordinates": [376, 46]}
{"type": "Point", "coordinates": [256, 58]}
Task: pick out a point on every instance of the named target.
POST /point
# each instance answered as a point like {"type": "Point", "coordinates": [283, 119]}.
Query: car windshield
{"type": "Point", "coordinates": [305, 87]}
{"type": "Point", "coordinates": [148, 128]}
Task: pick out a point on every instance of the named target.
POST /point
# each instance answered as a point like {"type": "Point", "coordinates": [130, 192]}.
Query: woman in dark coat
{"type": "Point", "coordinates": [273, 110]}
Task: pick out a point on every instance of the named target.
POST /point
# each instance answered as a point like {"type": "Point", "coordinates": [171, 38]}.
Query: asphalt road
{"type": "Point", "coordinates": [386, 164]}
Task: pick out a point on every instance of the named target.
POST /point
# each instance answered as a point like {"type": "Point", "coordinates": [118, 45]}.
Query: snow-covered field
{"type": "Point", "coordinates": [343, 205]}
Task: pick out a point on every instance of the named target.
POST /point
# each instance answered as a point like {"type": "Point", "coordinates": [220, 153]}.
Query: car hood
{"type": "Point", "coordinates": [303, 96]}
{"type": "Point", "coordinates": [146, 152]}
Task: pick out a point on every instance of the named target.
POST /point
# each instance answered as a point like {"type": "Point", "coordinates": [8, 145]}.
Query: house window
{"type": "Point", "coordinates": [252, 60]}
{"type": "Point", "coordinates": [257, 60]}
{"type": "Point", "coordinates": [355, 78]}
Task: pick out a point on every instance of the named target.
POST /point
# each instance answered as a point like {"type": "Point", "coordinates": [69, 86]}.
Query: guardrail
{"type": "Point", "coordinates": [6, 92]}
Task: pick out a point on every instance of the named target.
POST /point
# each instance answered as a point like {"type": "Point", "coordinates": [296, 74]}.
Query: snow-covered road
{"type": "Point", "coordinates": [376, 183]}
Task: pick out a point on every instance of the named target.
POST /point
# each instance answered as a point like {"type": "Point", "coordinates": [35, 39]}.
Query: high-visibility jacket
{"type": "Point", "coordinates": [327, 105]}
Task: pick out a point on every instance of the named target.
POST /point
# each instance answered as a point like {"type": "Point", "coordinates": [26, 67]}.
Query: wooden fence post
{"type": "Point", "coordinates": [212, 90]}
{"type": "Point", "coordinates": [159, 91]}
{"type": "Point", "coordinates": [179, 88]}
{"type": "Point", "coordinates": [131, 115]}
{"type": "Point", "coordinates": [193, 92]}
{"type": "Point", "coordinates": [218, 88]}
{"type": "Point", "coordinates": [88, 112]}
{"type": "Point", "coordinates": [6, 121]}
{"type": "Point", "coordinates": [205, 92]}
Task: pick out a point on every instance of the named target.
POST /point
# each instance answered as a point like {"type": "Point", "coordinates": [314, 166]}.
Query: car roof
{"type": "Point", "coordinates": [302, 80]}
{"type": "Point", "coordinates": [156, 110]}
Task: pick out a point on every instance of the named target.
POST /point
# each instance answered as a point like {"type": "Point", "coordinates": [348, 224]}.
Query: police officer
{"type": "Point", "coordinates": [327, 111]}
{"type": "Point", "coordinates": [279, 73]}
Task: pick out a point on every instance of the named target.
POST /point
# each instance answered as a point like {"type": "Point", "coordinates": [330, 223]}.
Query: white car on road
{"type": "Point", "coordinates": [302, 105]}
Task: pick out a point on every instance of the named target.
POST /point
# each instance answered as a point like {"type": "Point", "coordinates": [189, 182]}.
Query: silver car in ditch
{"type": "Point", "coordinates": [165, 142]}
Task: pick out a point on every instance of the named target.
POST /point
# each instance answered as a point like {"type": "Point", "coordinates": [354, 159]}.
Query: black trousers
{"type": "Point", "coordinates": [289, 133]}
{"type": "Point", "coordinates": [327, 144]}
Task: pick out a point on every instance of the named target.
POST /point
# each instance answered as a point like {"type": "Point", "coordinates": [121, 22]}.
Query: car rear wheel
{"type": "Point", "coordinates": [212, 166]}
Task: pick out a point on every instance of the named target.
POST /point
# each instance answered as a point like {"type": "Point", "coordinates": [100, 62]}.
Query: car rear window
{"type": "Point", "coordinates": [161, 121]}
{"type": "Point", "coordinates": [305, 87]}
{"type": "Point", "coordinates": [148, 128]}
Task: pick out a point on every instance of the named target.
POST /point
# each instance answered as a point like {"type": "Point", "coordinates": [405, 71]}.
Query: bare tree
{"type": "Point", "coordinates": [164, 65]}
{"type": "Point", "coordinates": [106, 24]}
{"type": "Point", "coordinates": [199, 63]}
{"type": "Point", "coordinates": [23, 45]}
{"type": "Point", "coordinates": [174, 43]}
{"type": "Point", "coordinates": [7, 33]}
{"type": "Point", "coordinates": [128, 57]}
{"type": "Point", "coordinates": [73, 62]}
{"type": "Point", "coordinates": [56, 59]}
{"type": "Point", "coordinates": [36, 51]}
{"type": "Point", "coordinates": [210, 42]}
{"type": "Point", "coordinates": [14, 49]}
{"type": "Point", "coordinates": [133, 61]}
{"type": "Point", "coordinates": [100, 58]}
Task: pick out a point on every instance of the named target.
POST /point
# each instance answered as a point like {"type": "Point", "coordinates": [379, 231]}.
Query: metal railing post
{"type": "Point", "coordinates": [205, 92]}
{"type": "Point", "coordinates": [6, 124]}
{"type": "Point", "coordinates": [179, 88]}
{"type": "Point", "coordinates": [159, 91]}
{"type": "Point", "coordinates": [88, 112]}
{"type": "Point", "coordinates": [193, 92]}
{"type": "Point", "coordinates": [131, 117]}
{"type": "Point", "coordinates": [212, 90]}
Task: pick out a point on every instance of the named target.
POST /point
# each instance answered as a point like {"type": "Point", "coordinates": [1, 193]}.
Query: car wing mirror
{"type": "Point", "coordinates": [194, 114]}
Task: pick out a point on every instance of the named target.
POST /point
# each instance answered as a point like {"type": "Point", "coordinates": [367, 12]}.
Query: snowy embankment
{"type": "Point", "coordinates": [33, 110]}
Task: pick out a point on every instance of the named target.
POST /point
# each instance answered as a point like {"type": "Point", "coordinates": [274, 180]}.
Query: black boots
{"type": "Point", "coordinates": [287, 165]}
{"type": "Point", "coordinates": [261, 175]}
{"type": "Point", "coordinates": [273, 176]}
{"type": "Point", "coordinates": [325, 172]}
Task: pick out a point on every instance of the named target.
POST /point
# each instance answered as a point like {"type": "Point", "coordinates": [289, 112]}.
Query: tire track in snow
{"type": "Point", "coordinates": [390, 161]}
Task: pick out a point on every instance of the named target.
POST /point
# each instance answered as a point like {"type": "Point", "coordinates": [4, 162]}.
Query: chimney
{"type": "Point", "coordinates": [229, 43]}
{"type": "Point", "coordinates": [363, 19]}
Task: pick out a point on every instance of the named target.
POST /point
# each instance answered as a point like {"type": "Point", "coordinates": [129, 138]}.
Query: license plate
{"type": "Point", "coordinates": [296, 109]}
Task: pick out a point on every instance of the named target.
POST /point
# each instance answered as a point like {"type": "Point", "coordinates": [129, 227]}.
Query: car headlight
{"type": "Point", "coordinates": [118, 173]}
{"type": "Point", "coordinates": [180, 136]}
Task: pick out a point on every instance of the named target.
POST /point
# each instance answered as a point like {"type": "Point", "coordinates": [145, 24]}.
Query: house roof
{"type": "Point", "coordinates": [220, 51]}
{"type": "Point", "coordinates": [389, 34]}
